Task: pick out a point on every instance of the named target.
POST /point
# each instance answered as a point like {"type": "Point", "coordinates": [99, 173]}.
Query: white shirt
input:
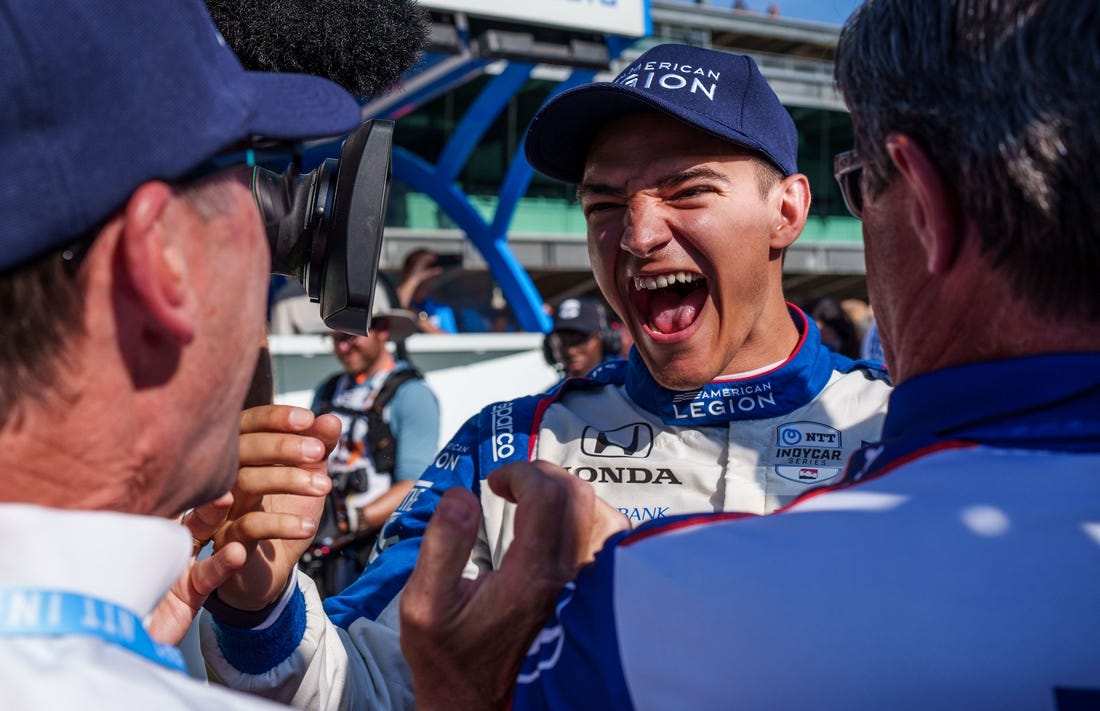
{"type": "Point", "coordinates": [127, 560]}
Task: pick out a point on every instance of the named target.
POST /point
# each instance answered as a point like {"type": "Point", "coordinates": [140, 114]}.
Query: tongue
{"type": "Point", "coordinates": [671, 311]}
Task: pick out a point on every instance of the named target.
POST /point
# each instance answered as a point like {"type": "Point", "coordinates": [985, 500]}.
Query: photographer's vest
{"type": "Point", "coordinates": [380, 444]}
{"type": "Point", "coordinates": [380, 440]}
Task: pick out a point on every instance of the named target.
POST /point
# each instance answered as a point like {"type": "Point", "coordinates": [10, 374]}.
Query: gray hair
{"type": "Point", "coordinates": [1004, 95]}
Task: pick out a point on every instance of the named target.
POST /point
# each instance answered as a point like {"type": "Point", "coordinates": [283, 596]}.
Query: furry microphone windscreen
{"type": "Point", "coordinates": [362, 45]}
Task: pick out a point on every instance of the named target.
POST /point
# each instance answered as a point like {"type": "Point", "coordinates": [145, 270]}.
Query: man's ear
{"type": "Point", "coordinates": [794, 206]}
{"type": "Point", "coordinates": [933, 212]}
{"type": "Point", "coordinates": [155, 261]}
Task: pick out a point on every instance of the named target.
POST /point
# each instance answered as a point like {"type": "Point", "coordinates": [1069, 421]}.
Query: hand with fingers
{"type": "Point", "coordinates": [465, 639]}
{"type": "Point", "coordinates": [173, 616]}
{"type": "Point", "coordinates": [263, 525]}
{"type": "Point", "coordinates": [277, 500]}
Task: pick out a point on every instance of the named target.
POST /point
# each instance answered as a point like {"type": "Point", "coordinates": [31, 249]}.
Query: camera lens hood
{"type": "Point", "coordinates": [325, 227]}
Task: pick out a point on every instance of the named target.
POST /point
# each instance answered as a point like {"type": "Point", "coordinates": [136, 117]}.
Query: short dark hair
{"type": "Point", "coordinates": [412, 258]}
{"type": "Point", "coordinates": [767, 174]}
{"type": "Point", "coordinates": [42, 302]}
{"type": "Point", "coordinates": [1002, 96]}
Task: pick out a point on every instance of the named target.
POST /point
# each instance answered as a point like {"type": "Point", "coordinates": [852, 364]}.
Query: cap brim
{"type": "Point", "coordinates": [562, 131]}
{"type": "Point", "coordinates": [300, 106]}
{"type": "Point", "coordinates": [402, 323]}
{"type": "Point", "coordinates": [575, 327]}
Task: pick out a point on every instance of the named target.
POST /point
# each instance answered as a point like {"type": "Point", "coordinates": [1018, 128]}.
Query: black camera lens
{"type": "Point", "coordinates": [325, 227]}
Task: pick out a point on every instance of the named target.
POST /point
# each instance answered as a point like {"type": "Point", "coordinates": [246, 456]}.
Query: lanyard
{"type": "Point", "coordinates": [26, 612]}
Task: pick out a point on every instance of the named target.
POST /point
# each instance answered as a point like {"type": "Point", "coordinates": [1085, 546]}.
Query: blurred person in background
{"type": "Point", "coordinates": [859, 313]}
{"type": "Point", "coordinates": [838, 332]}
{"type": "Point", "coordinates": [581, 337]}
{"type": "Point", "coordinates": [293, 313]}
{"type": "Point", "coordinates": [870, 348]}
{"type": "Point", "coordinates": [389, 434]}
{"type": "Point", "coordinates": [415, 293]}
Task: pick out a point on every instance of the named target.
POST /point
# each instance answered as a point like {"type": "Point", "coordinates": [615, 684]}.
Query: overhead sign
{"type": "Point", "coordinates": [620, 17]}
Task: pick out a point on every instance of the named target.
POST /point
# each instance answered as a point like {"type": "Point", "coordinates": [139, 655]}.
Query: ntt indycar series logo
{"type": "Point", "coordinates": [808, 452]}
{"type": "Point", "coordinates": [503, 435]}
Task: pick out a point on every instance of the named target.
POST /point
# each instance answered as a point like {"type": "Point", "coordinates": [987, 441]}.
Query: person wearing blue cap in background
{"type": "Point", "coordinates": [133, 293]}
{"type": "Point", "coordinates": [581, 337]}
{"type": "Point", "coordinates": [687, 173]}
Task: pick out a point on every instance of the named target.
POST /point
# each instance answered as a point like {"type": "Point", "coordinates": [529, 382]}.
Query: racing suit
{"type": "Point", "coordinates": [750, 444]}
{"type": "Point", "coordinates": [955, 565]}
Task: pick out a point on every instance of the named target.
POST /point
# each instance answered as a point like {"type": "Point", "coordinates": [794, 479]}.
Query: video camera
{"type": "Point", "coordinates": [325, 226]}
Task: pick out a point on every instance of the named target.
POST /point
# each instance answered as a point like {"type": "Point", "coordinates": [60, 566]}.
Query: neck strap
{"type": "Point", "coordinates": [29, 612]}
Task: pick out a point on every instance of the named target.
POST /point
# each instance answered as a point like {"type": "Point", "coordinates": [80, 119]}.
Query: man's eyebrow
{"type": "Point", "coordinates": [588, 189]}
{"type": "Point", "coordinates": [668, 181]}
{"type": "Point", "coordinates": [698, 172]}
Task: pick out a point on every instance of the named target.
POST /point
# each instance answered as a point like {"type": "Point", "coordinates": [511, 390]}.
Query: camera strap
{"type": "Point", "coordinates": [29, 612]}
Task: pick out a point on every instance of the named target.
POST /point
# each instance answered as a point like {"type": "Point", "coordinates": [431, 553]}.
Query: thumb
{"type": "Point", "coordinates": [209, 574]}
{"type": "Point", "coordinates": [435, 586]}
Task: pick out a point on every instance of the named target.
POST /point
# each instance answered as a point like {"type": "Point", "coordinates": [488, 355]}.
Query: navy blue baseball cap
{"type": "Point", "coordinates": [99, 97]}
{"type": "Point", "coordinates": [718, 92]}
{"type": "Point", "coordinates": [581, 315]}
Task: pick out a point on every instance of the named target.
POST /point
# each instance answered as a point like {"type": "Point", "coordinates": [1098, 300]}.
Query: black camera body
{"type": "Point", "coordinates": [325, 227]}
{"type": "Point", "coordinates": [449, 261]}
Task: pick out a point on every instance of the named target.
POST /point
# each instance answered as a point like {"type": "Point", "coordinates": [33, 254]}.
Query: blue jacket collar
{"type": "Point", "coordinates": [1049, 397]}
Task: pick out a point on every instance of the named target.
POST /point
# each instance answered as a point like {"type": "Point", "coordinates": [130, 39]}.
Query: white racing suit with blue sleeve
{"type": "Point", "coordinates": [749, 444]}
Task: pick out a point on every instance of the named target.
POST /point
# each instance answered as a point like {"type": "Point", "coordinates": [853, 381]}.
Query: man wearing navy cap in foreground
{"type": "Point", "coordinates": [956, 565]}
{"type": "Point", "coordinates": [687, 174]}
{"type": "Point", "coordinates": [134, 301]}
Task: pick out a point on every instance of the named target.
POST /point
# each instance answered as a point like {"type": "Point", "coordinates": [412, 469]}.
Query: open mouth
{"type": "Point", "coordinates": [669, 303]}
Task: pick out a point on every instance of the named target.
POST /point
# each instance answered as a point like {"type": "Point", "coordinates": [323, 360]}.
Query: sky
{"type": "Point", "coordinates": [834, 11]}
{"type": "Point", "coordinates": [831, 11]}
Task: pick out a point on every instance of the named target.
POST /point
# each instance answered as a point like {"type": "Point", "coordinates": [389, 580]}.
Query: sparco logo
{"type": "Point", "coordinates": [633, 440]}
{"type": "Point", "coordinates": [625, 475]}
{"type": "Point", "coordinates": [808, 452]}
{"type": "Point", "coordinates": [503, 439]}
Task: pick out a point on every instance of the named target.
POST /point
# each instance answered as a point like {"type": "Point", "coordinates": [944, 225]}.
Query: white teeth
{"type": "Point", "coordinates": [664, 280]}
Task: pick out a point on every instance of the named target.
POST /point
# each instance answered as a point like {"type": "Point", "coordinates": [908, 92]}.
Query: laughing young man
{"type": "Point", "coordinates": [687, 174]}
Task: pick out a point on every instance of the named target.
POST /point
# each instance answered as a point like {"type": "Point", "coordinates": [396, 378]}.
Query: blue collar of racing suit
{"type": "Point", "coordinates": [1039, 401]}
{"type": "Point", "coordinates": [787, 387]}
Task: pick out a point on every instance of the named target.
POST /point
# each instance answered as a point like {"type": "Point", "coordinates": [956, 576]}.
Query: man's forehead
{"type": "Point", "coordinates": [657, 144]}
